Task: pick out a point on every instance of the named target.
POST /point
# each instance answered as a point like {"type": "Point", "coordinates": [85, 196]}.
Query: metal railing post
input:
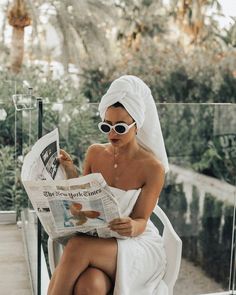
{"type": "Point", "coordinates": [39, 226]}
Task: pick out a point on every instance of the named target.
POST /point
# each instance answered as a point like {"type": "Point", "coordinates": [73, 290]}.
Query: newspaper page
{"type": "Point", "coordinates": [66, 206]}
{"type": "Point", "coordinates": [41, 162]}
{"type": "Point", "coordinates": [75, 205]}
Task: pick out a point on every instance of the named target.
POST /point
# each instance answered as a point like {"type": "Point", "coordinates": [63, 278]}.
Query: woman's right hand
{"type": "Point", "coordinates": [68, 165]}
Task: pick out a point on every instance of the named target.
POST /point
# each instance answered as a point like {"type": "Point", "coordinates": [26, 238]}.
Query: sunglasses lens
{"type": "Point", "coordinates": [105, 128]}
{"type": "Point", "coordinates": [120, 129]}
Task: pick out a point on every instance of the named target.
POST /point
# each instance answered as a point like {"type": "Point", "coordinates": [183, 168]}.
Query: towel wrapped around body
{"type": "Point", "coordinates": [141, 260]}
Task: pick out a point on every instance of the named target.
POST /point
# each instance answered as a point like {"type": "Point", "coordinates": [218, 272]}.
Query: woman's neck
{"type": "Point", "coordinates": [127, 151]}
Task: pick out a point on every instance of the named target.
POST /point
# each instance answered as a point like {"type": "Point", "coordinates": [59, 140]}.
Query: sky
{"type": "Point", "coordinates": [229, 9]}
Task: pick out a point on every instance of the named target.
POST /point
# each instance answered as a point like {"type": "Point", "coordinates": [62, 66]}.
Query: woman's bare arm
{"type": "Point", "coordinates": [70, 169]}
{"type": "Point", "coordinates": [67, 163]}
{"type": "Point", "coordinates": [90, 156]}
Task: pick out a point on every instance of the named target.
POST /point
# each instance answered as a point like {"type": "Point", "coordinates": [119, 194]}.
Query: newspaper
{"type": "Point", "coordinates": [41, 162]}
{"type": "Point", "coordinates": [66, 206]}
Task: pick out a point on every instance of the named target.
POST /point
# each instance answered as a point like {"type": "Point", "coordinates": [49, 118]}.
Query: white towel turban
{"type": "Point", "coordinates": [137, 99]}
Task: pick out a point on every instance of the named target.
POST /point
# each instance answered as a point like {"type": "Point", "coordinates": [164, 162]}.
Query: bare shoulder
{"type": "Point", "coordinates": [94, 152]}
{"type": "Point", "coordinates": [96, 149]}
{"type": "Point", "coordinates": [153, 167]}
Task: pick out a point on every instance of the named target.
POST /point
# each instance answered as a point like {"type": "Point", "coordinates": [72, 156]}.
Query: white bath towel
{"type": "Point", "coordinates": [137, 99]}
{"type": "Point", "coordinates": [141, 260]}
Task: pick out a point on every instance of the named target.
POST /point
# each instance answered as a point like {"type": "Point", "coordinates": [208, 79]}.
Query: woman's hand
{"type": "Point", "coordinates": [67, 163]}
{"type": "Point", "coordinates": [124, 226]}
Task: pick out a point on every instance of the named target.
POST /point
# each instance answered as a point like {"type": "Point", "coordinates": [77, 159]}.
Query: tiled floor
{"type": "Point", "coordinates": [193, 281]}
{"type": "Point", "coordinates": [14, 278]}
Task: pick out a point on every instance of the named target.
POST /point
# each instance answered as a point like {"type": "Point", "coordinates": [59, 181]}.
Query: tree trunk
{"type": "Point", "coordinates": [17, 49]}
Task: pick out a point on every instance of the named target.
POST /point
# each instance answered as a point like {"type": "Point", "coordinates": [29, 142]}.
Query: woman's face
{"type": "Point", "coordinates": [116, 115]}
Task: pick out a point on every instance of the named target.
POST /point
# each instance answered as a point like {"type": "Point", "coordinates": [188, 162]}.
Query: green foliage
{"type": "Point", "coordinates": [225, 245]}
{"type": "Point", "coordinates": [19, 130]}
{"type": "Point", "coordinates": [12, 195]}
{"type": "Point", "coordinates": [94, 83]}
{"type": "Point", "coordinates": [192, 238]}
{"type": "Point", "coordinates": [194, 209]}
{"type": "Point", "coordinates": [7, 127]}
{"type": "Point", "coordinates": [176, 76]}
{"type": "Point", "coordinates": [210, 235]}
{"type": "Point", "coordinates": [187, 130]}
{"type": "Point", "coordinates": [189, 133]}
{"type": "Point", "coordinates": [81, 131]}
{"type": "Point", "coordinates": [7, 178]}
{"type": "Point", "coordinates": [142, 18]}
{"type": "Point", "coordinates": [214, 163]}
{"type": "Point", "coordinates": [174, 203]}
{"type": "Point", "coordinates": [206, 239]}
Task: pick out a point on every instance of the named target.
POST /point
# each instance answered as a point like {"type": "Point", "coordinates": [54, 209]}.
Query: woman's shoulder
{"type": "Point", "coordinates": [96, 148]}
{"type": "Point", "coordinates": [151, 162]}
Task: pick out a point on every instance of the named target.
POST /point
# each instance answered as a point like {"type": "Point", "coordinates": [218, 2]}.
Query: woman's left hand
{"type": "Point", "coordinates": [123, 226]}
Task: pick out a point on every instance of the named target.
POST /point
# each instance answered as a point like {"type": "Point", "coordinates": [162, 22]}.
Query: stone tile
{"type": "Point", "coordinates": [16, 292]}
{"type": "Point", "coordinates": [14, 278]}
{"type": "Point", "coordinates": [192, 280]}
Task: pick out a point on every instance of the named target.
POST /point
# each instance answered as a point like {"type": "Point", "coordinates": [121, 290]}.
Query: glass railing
{"type": "Point", "coordinates": [199, 193]}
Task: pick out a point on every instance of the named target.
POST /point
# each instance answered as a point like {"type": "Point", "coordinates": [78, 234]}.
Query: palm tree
{"type": "Point", "coordinates": [83, 27]}
{"type": "Point", "coordinates": [194, 21]}
{"type": "Point", "coordinates": [18, 18]}
{"type": "Point", "coordinates": [140, 20]}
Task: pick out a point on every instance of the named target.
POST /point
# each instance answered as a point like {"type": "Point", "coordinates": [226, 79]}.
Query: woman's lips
{"type": "Point", "coordinates": [114, 140]}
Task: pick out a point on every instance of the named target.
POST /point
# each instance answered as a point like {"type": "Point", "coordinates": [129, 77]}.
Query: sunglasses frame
{"type": "Point", "coordinates": [112, 127]}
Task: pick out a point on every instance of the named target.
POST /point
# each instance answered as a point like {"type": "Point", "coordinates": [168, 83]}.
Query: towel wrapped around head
{"type": "Point", "coordinates": [137, 99]}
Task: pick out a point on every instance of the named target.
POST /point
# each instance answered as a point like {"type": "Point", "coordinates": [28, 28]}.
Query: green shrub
{"type": "Point", "coordinates": [7, 178]}
{"type": "Point", "coordinates": [193, 236]}
{"type": "Point", "coordinates": [174, 203]}
{"type": "Point", "coordinates": [210, 236]}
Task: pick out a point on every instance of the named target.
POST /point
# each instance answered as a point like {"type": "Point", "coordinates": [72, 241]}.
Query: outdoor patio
{"type": "Point", "coordinates": [14, 279]}
{"type": "Point", "coordinates": [15, 272]}
{"type": "Point", "coordinates": [58, 60]}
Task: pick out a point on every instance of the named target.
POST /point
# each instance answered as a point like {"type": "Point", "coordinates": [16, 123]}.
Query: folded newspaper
{"type": "Point", "coordinates": [66, 206]}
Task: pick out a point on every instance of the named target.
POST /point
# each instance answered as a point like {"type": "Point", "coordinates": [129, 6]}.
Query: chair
{"type": "Point", "coordinates": [172, 243]}
{"type": "Point", "coordinates": [173, 248]}
{"type": "Point", "coordinates": [54, 253]}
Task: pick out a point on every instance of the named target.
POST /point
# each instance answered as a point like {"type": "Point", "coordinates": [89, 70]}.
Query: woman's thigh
{"type": "Point", "coordinates": [93, 281]}
{"type": "Point", "coordinates": [100, 253]}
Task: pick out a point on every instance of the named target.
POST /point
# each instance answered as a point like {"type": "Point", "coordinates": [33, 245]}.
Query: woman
{"type": "Point", "coordinates": [133, 164]}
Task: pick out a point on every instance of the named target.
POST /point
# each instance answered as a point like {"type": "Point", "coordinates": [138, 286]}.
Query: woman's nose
{"type": "Point", "coordinates": [112, 133]}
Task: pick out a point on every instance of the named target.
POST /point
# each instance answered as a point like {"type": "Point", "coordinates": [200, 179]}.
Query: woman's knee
{"type": "Point", "coordinates": [92, 282]}
{"type": "Point", "coordinates": [74, 247]}
{"type": "Point", "coordinates": [75, 242]}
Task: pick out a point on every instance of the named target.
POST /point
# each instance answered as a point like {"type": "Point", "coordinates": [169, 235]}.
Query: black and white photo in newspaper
{"type": "Point", "coordinates": [41, 162]}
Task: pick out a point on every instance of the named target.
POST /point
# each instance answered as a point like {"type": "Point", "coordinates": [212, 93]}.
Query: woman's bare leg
{"type": "Point", "coordinates": [92, 281]}
{"type": "Point", "coordinates": [79, 254]}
